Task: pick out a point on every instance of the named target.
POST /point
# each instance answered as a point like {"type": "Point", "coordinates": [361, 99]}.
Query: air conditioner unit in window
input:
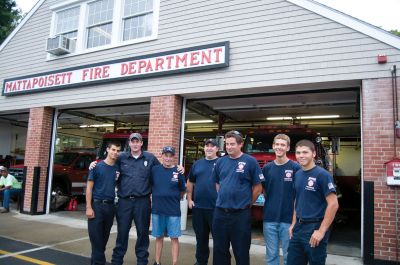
{"type": "Point", "coordinates": [60, 45]}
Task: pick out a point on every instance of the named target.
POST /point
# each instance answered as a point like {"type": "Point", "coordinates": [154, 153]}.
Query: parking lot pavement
{"type": "Point", "coordinates": [58, 237]}
{"type": "Point", "coordinates": [21, 253]}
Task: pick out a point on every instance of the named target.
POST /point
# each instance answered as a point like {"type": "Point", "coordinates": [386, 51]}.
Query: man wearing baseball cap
{"type": "Point", "coordinates": [9, 186]}
{"type": "Point", "coordinates": [134, 200]}
{"type": "Point", "coordinates": [202, 195]}
{"type": "Point", "coordinates": [168, 187]}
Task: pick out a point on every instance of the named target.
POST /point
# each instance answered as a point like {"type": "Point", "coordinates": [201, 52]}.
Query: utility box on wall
{"type": "Point", "coordinates": [393, 172]}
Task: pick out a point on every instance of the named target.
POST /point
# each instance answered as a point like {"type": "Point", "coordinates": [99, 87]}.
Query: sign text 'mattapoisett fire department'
{"type": "Point", "coordinates": [191, 59]}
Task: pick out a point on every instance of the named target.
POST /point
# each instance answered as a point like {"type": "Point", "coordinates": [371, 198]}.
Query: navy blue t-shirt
{"type": "Point", "coordinates": [279, 191]}
{"type": "Point", "coordinates": [205, 193]}
{"type": "Point", "coordinates": [236, 178]}
{"type": "Point", "coordinates": [104, 177]}
{"type": "Point", "coordinates": [167, 185]}
{"type": "Point", "coordinates": [312, 187]}
{"type": "Point", "coordinates": [135, 174]}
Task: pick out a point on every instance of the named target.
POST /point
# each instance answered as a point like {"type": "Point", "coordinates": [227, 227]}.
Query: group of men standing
{"type": "Point", "coordinates": [300, 202]}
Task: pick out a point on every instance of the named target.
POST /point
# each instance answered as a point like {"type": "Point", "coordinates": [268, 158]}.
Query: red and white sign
{"type": "Point", "coordinates": [186, 60]}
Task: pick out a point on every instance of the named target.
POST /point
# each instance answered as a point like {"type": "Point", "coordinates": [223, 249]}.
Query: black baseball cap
{"type": "Point", "coordinates": [137, 136]}
{"type": "Point", "coordinates": [168, 149]}
{"type": "Point", "coordinates": [211, 141]}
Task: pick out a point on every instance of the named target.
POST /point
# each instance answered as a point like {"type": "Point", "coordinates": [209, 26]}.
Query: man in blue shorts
{"type": "Point", "coordinates": [100, 208]}
{"type": "Point", "coordinates": [315, 207]}
{"type": "Point", "coordinates": [168, 187]}
{"type": "Point", "coordinates": [279, 200]}
{"type": "Point", "coordinates": [238, 180]}
{"type": "Point", "coordinates": [202, 203]}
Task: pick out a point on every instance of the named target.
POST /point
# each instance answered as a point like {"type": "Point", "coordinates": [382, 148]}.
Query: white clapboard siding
{"type": "Point", "coordinates": [273, 43]}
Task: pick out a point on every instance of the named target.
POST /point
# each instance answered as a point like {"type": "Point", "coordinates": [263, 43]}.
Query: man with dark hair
{"type": "Point", "coordinates": [134, 200]}
{"type": "Point", "coordinates": [279, 200]}
{"type": "Point", "coordinates": [202, 196]}
{"type": "Point", "coordinates": [238, 180]}
{"type": "Point", "coordinates": [100, 208]}
{"type": "Point", "coordinates": [315, 208]}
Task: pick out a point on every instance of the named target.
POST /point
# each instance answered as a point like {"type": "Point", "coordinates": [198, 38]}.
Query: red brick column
{"type": "Point", "coordinates": [38, 143]}
{"type": "Point", "coordinates": [378, 148]}
{"type": "Point", "coordinates": [165, 124]}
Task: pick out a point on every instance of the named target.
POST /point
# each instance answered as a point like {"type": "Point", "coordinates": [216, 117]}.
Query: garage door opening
{"type": "Point", "coordinates": [330, 118]}
{"type": "Point", "coordinates": [14, 129]}
{"type": "Point", "coordinates": [82, 136]}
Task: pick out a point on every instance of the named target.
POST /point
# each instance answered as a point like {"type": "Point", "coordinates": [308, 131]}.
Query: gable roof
{"type": "Point", "coordinates": [349, 21]}
{"type": "Point", "coordinates": [21, 24]}
{"type": "Point", "coordinates": [318, 8]}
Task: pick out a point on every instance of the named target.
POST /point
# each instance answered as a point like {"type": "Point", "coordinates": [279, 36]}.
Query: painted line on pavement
{"type": "Point", "coordinates": [24, 258]}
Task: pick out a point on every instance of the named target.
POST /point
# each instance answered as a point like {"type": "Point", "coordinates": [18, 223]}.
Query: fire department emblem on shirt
{"type": "Point", "coordinates": [311, 183]}
{"type": "Point", "coordinates": [288, 175]}
{"type": "Point", "coordinates": [175, 176]}
{"type": "Point", "coordinates": [240, 167]}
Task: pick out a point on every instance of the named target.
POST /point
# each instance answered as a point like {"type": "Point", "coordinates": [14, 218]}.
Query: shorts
{"type": "Point", "coordinates": [166, 226]}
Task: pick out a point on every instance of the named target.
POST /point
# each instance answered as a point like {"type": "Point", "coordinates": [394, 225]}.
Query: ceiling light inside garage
{"type": "Point", "coordinates": [279, 118]}
{"type": "Point", "coordinates": [200, 121]}
{"type": "Point", "coordinates": [318, 117]}
{"type": "Point", "coordinates": [96, 125]}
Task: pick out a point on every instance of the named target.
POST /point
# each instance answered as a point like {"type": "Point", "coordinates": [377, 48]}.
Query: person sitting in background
{"type": "Point", "coordinates": [9, 186]}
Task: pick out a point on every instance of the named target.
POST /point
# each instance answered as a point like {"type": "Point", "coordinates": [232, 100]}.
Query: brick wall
{"type": "Point", "coordinates": [378, 148]}
{"type": "Point", "coordinates": [165, 124]}
{"type": "Point", "coordinates": [38, 143]}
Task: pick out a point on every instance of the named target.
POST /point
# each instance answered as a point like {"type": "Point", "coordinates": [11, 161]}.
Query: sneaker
{"type": "Point", "coordinates": [4, 210]}
{"type": "Point", "coordinates": [155, 263]}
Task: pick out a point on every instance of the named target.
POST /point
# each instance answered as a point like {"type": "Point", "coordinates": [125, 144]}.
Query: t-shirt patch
{"type": "Point", "coordinates": [311, 183]}
{"type": "Point", "coordinates": [288, 175]}
{"type": "Point", "coordinates": [240, 167]}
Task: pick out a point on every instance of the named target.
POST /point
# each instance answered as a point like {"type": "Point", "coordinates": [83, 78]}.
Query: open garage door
{"type": "Point", "coordinates": [82, 136]}
{"type": "Point", "coordinates": [14, 128]}
{"type": "Point", "coordinates": [330, 118]}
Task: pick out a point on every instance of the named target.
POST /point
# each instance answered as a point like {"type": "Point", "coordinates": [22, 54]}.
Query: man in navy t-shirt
{"type": "Point", "coordinates": [168, 187]}
{"type": "Point", "coordinates": [203, 201]}
{"type": "Point", "coordinates": [238, 180]}
{"type": "Point", "coordinates": [279, 200]}
{"type": "Point", "coordinates": [315, 208]}
{"type": "Point", "coordinates": [100, 195]}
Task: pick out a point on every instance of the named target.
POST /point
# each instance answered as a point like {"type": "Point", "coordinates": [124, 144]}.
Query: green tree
{"type": "Point", "coordinates": [395, 32]}
{"type": "Point", "coordinates": [9, 17]}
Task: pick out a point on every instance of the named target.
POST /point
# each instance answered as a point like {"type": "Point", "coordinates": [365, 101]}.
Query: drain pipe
{"type": "Point", "coordinates": [396, 129]}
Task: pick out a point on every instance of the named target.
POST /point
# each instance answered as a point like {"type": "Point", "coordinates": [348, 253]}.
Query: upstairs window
{"type": "Point", "coordinates": [102, 24]}
{"type": "Point", "coordinates": [137, 19]}
{"type": "Point", "coordinates": [67, 22]}
{"type": "Point", "coordinates": [99, 25]}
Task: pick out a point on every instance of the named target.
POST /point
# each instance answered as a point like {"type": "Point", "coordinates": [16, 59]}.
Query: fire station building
{"type": "Point", "coordinates": [182, 71]}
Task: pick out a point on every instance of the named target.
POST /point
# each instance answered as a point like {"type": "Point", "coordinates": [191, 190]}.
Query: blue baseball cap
{"type": "Point", "coordinates": [168, 149]}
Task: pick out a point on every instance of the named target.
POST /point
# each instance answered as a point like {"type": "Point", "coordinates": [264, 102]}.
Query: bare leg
{"type": "Point", "coordinates": [159, 246]}
{"type": "Point", "coordinates": [175, 250]}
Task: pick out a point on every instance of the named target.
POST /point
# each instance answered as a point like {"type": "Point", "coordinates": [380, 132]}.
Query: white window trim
{"type": "Point", "coordinates": [117, 27]}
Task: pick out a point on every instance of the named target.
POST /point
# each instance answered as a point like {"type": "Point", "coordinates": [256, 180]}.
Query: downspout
{"type": "Point", "coordinates": [393, 71]}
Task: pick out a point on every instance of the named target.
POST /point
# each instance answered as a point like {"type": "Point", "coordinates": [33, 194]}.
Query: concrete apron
{"type": "Point", "coordinates": [69, 234]}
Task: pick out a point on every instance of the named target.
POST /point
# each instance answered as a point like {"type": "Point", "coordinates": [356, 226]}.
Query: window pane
{"type": "Point", "coordinates": [67, 20]}
{"type": "Point", "coordinates": [71, 35]}
{"type": "Point", "coordinates": [100, 11]}
{"type": "Point", "coordinates": [138, 27]}
{"type": "Point", "coordinates": [99, 35]}
{"type": "Point", "coordinates": [133, 7]}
